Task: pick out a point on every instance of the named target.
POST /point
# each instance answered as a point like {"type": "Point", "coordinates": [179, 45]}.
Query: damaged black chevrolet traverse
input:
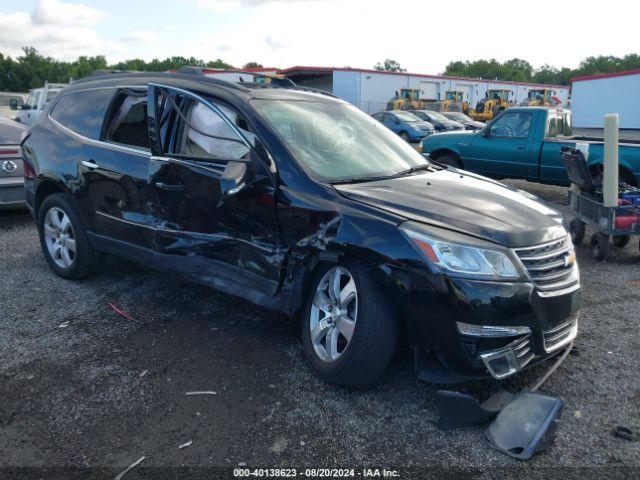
{"type": "Point", "coordinates": [300, 202]}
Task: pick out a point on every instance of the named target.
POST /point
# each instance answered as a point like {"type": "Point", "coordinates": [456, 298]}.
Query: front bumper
{"type": "Point", "coordinates": [434, 306]}
{"type": "Point", "coordinates": [418, 136]}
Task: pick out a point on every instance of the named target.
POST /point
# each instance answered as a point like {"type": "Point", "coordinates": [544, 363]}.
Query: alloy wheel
{"type": "Point", "coordinates": [333, 314]}
{"type": "Point", "coordinates": [59, 237]}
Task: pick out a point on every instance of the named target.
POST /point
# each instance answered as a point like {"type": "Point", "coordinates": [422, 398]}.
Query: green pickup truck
{"type": "Point", "coordinates": [525, 142]}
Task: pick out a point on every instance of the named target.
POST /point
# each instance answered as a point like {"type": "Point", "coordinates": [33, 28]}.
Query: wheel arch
{"type": "Point", "coordinates": [624, 170]}
{"type": "Point", "coordinates": [446, 151]}
{"type": "Point", "coordinates": [45, 188]}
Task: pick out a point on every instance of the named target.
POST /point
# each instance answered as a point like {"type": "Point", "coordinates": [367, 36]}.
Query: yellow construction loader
{"type": "Point", "coordinates": [541, 98]}
{"type": "Point", "coordinates": [495, 101]}
{"type": "Point", "coordinates": [454, 102]}
{"type": "Point", "coordinates": [406, 99]}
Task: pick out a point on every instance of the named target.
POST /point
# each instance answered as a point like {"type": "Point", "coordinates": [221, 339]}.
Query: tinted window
{"type": "Point", "coordinates": [128, 122]}
{"type": "Point", "coordinates": [83, 112]}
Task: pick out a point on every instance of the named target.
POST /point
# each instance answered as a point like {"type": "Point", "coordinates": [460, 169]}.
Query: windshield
{"type": "Point", "coordinates": [337, 142]}
{"type": "Point", "coordinates": [457, 116]}
{"type": "Point", "coordinates": [406, 117]}
{"type": "Point", "coordinates": [437, 116]}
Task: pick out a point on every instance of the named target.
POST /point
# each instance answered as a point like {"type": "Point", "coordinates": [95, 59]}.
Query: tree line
{"type": "Point", "coordinates": [519, 70]}
{"type": "Point", "coordinates": [31, 69]}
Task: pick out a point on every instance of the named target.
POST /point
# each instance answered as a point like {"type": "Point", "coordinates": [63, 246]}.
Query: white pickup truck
{"type": "Point", "coordinates": [38, 98]}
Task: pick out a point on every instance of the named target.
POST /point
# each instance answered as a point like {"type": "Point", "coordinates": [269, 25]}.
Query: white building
{"type": "Point", "coordinates": [370, 90]}
{"type": "Point", "coordinates": [593, 96]}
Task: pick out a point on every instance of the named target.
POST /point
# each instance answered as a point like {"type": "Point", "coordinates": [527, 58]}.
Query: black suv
{"type": "Point", "coordinates": [300, 202]}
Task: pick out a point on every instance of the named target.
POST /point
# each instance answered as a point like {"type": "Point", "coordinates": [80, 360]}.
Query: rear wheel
{"type": "Point", "coordinates": [577, 231]}
{"type": "Point", "coordinates": [599, 246]}
{"type": "Point", "coordinates": [63, 238]}
{"type": "Point", "coordinates": [349, 332]}
{"type": "Point", "coordinates": [450, 160]}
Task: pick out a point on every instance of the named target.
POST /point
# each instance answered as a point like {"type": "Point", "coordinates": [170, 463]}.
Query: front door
{"type": "Point", "coordinates": [209, 228]}
{"type": "Point", "coordinates": [507, 150]}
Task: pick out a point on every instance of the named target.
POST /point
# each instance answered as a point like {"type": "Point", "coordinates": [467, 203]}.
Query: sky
{"type": "Point", "coordinates": [422, 36]}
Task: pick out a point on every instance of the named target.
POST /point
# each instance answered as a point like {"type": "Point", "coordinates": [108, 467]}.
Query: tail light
{"type": "Point", "coordinates": [29, 172]}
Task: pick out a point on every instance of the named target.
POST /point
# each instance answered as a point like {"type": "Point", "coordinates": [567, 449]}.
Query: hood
{"type": "Point", "coordinates": [10, 131]}
{"type": "Point", "coordinates": [467, 203]}
{"type": "Point", "coordinates": [432, 142]}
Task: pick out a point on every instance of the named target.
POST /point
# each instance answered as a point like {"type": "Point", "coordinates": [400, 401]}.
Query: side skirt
{"type": "Point", "coordinates": [218, 275]}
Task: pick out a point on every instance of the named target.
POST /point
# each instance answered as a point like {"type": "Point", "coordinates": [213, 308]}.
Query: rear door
{"type": "Point", "coordinates": [391, 122]}
{"type": "Point", "coordinates": [208, 228]}
{"type": "Point", "coordinates": [107, 142]}
{"type": "Point", "coordinates": [508, 150]}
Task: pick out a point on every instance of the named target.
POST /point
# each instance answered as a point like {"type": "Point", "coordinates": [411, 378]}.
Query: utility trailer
{"type": "Point", "coordinates": [585, 199]}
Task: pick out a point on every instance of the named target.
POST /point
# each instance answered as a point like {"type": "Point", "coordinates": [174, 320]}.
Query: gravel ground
{"type": "Point", "coordinates": [83, 386]}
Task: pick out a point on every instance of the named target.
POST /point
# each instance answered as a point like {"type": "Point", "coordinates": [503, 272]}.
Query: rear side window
{"type": "Point", "coordinates": [127, 122]}
{"type": "Point", "coordinates": [83, 112]}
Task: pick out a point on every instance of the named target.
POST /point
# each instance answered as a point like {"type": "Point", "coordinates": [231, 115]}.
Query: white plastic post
{"type": "Point", "coordinates": [610, 181]}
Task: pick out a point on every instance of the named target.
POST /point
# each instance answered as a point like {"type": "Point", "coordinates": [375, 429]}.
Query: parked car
{"type": "Point", "coordinates": [525, 142]}
{"type": "Point", "coordinates": [466, 121]}
{"type": "Point", "coordinates": [9, 102]}
{"type": "Point", "coordinates": [438, 120]}
{"type": "Point", "coordinates": [300, 202]}
{"type": "Point", "coordinates": [11, 173]}
{"type": "Point", "coordinates": [408, 126]}
{"type": "Point", "coordinates": [35, 103]}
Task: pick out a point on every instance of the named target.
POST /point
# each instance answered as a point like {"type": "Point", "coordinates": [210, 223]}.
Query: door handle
{"type": "Point", "coordinates": [169, 187]}
{"type": "Point", "coordinates": [91, 164]}
{"type": "Point", "coordinates": [521, 147]}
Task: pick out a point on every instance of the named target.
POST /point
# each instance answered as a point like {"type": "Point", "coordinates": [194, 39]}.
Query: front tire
{"type": "Point", "coordinates": [349, 331]}
{"type": "Point", "coordinates": [64, 240]}
{"type": "Point", "coordinates": [449, 160]}
{"type": "Point", "coordinates": [405, 136]}
{"type": "Point", "coordinates": [577, 230]}
{"type": "Point", "coordinates": [599, 246]}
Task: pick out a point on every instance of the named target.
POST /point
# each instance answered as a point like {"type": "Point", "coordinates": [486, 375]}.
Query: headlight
{"type": "Point", "coordinates": [470, 257]}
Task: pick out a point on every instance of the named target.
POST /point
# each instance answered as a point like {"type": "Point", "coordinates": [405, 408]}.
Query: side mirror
{"type": "Point", "coordinates": [236, 176]}
{"type": "Point", "coordinates": [486, 132]}
{"type": "Point", "coordinates": [13, 104]}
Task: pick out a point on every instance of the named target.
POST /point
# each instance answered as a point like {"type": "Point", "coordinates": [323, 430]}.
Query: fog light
{"type": "Point", "coordinates": [491, 330]}
{"type": "Point", "coordinates": [501, 364]}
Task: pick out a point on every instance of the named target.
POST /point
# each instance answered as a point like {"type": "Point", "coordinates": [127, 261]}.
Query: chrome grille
{"type": "Point", "coordinates": [550, 265]}
{"type": "Point", "coordinates": [522, 349]}
{"type": "Point", "coordinates": [559, 336]}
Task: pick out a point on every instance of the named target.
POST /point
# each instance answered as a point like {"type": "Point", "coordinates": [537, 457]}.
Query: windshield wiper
{"type": "Point", "coordinates": [361, 179]}
{"type": "Point", "coordinates": [416, 168]}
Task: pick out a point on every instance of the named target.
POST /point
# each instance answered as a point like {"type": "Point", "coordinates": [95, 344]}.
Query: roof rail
{"type": "Point", "coordinates": [274, 81]}
{"type": "Point", "coordinates": [102, 72]}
